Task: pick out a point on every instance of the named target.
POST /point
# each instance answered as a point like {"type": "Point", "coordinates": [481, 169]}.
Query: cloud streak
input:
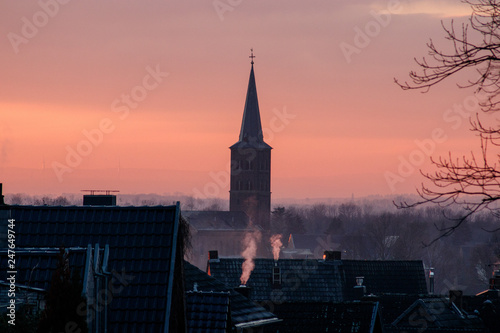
{"type": "Point", "coordinates": [439, 8]}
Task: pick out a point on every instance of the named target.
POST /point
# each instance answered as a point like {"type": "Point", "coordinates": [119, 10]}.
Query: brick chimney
{"type": "Point", "coordinates": [332, 255]}
{"type": "Point", "coordinates": [213, 255]}
{"type": "Point", "coordinates": [93, 199]}
{"type": "Point", "coordinates": [359, 289]}
{"type": "Point", "coordinates": [495, 280]}
{"type": "Point", "coordinates": [244, 290]}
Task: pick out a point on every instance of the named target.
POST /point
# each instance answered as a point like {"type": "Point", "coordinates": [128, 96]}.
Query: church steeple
{"type": "Point", "coordinates": [251, 163]}
{"type": "Point", "coordinates": [251, 127]}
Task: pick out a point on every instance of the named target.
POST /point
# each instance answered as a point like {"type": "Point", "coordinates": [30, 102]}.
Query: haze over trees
{"type": "Point", "coordinates": [471, 181]}
{"type": "Point", "coordinates": [368, 228]}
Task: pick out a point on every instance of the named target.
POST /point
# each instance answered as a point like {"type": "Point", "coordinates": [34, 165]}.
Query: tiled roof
{"type": "Point", "coordinates": [384, 276]}
{"type": "Point", "coordinates": [207, 312]}
{"type": "Point", "coordinates": [312, 280]}
{"type": "Point", "coordinates": [360, 317]}
{"type": "Point", "coordinates": [243, 311]}
{"type": "Point", "coordinates": [302, 280]}
{"type": "Point", "coordinates": [216, 220]}
{"type": "Point", "coordinates": [142, 244]}
{"type": "Point", "coordinates": [393, 305]}
{"type": "Point", "coordinates": [437, 314]}
{"type": "Point", "coordinates": [34, 271]}
{"type": "Point", "coordinates": [35, 267]}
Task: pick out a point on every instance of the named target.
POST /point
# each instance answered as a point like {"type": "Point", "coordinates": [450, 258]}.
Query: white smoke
{"type": "Point", "coordinates": [276, 245]}
{"type": "Point", "coordinates": [249, 253]}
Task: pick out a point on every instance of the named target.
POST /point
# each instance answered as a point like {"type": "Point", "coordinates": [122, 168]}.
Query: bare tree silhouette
{"type": "Point", "coordinates": [470, 181]}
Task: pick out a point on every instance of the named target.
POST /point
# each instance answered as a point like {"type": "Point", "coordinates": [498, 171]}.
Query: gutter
{"type": "Point", "coordinates": [260, 322]}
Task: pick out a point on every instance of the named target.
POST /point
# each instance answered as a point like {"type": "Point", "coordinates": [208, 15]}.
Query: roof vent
{"type": "Point", "coordinates": [332, 255]}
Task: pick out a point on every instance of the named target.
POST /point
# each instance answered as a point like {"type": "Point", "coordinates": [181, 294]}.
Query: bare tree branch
{"type": "Point", "coordinates": [472, 182]}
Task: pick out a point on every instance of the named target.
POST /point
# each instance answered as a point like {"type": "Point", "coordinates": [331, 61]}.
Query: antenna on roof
{"type": "Point", "coordinates": [93, 199]}
{"type": "Point", "coordinates": [106, 192]}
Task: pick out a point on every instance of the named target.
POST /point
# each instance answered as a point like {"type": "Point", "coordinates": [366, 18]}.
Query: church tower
{"type": "Point", "coordinates": [250, 189]}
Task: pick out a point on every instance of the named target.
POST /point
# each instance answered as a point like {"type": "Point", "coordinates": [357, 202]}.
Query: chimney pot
{"type": "Point", "coordinates": [332, 255]}
{"type": "Point", "coordinates": [359, 280]}
{"type": "Point", "coordinates": [213, 255]}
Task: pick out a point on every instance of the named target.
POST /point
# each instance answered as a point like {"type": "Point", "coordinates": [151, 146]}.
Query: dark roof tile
{"type": "Point", "coordinates": [207, 311]}
{"type": "Point", "coordinates": [389, 276]}
{"type": "Point", "coordinates": [435, 313]}
{"type": "Point", "coordinates": [361, 317]}
{"type": "Point", "coordinates": [133, 234]}
{"type": "Point", "coordinates": [312, 280]}
{"type": "Point", "coordinates": [243, 311]}
{"type": "Point", "coordinates": [302, 280]}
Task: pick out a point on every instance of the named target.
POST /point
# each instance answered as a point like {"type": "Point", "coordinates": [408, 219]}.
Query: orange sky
{"type": "Point", "coordinates": [338, 125]}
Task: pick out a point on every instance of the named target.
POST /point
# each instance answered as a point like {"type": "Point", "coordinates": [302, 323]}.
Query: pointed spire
{"type": "Point", "coordinates": [251, 127]}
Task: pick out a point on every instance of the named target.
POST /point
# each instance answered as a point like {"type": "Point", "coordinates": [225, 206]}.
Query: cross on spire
{"type": "Point", "coordinates": [251, 56]}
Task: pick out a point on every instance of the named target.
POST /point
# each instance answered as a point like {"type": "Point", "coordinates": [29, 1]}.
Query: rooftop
{"type": "Point", "coordinates": [207, 312]}
{"type": "Point", "coordinates": [313, 280]}
{"type": "Point", "coordinates": [244, 313]}
{"type": "Point", "coordinates": [142, 242]}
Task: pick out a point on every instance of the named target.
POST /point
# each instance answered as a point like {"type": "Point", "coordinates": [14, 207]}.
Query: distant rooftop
{"type": "Point", "coordinates": [216, 220]}
{"type": "Point", "coordinates": [313, 280]}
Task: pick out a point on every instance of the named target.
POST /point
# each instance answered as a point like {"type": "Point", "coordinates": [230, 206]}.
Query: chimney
{"type": "Point", "coordinates": [213, 255]}
{"type": "Point", "coordinates": [244, 290]}
{"type": "Point", "coordinates": [456, 298]}
{"type": "Point", "coordinates": [2, 202]}
{"type": "Point", "coordinates": [93, 199]}
{"type": "Point", "coordinates": [431, 281]}
{"type": "Point", "coordinates": [359, 289]}
{"type": "Point", "coordinates": [332, 255]}
{"type": "Point", "coordinates": [495, 280]}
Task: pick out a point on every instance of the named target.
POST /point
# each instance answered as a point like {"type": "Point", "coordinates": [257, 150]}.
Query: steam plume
{"type": "Point", "coordinates": [276, 244]}
{"type": "Point", "coordinates": [249, 253]}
